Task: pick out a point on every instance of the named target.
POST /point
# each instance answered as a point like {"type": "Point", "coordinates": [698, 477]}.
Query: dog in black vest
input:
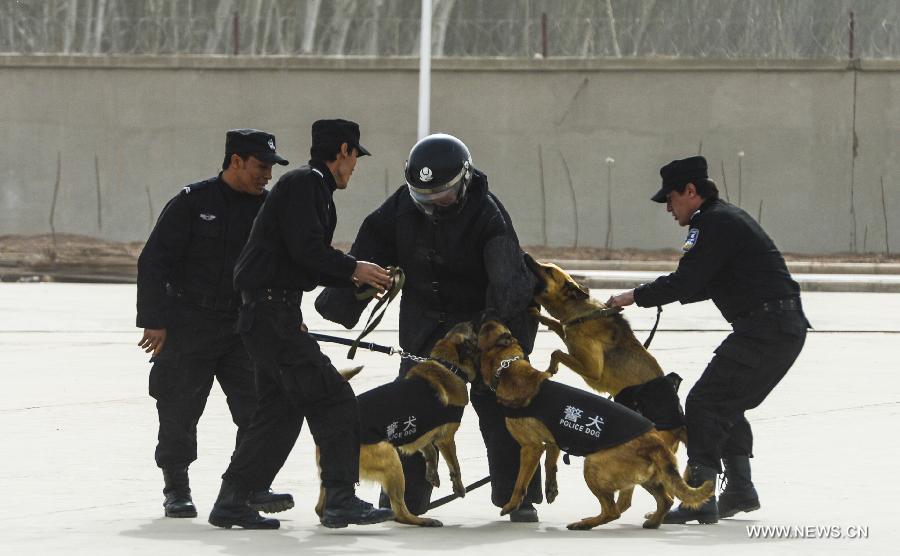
{"type": "Point", "coordinates": [419, 413]}
{"type": "Point", "coordinates": [621, 448]}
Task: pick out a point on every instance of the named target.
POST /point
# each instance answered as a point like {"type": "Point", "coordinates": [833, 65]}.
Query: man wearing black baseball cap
{"type": "Point", "coordinates": [730, 259]}
{"type": "Point", "coordinates": [187, 306]}
{"type": "Point", "coordinates": [255, 143]}
{"type": "Point", "coordinates": [329, 134]}
{"type": "Point", "coordinates": [289, 252]}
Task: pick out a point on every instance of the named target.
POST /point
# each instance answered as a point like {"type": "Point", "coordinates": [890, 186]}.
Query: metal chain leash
{"type": "Point", "coordinates": [411, 357]}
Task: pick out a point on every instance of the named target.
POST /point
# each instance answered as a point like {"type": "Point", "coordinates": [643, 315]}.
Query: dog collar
{"type": "Point", "coordinates": [595, 314]}
{"type": "Point", "coordinates": [503, 366]}
{"type": "Point", "coordinates": [452, 368]}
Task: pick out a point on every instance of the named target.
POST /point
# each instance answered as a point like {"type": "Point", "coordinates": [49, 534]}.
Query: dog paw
{"type": "Point", "coordinates": [507, 509]}
{"type": "Point", "coordinates": [433, 478]}
{"type": "Point", "coordinates": [650, 524]}
{"type": "Point", "coordinates": [428, 522]}
{"type": "Point", "coordinates": [551, 492]}
{"type": "Point", "coordinates": [579, 526]}
{"type": "Point", "coordinates": [459, 489]}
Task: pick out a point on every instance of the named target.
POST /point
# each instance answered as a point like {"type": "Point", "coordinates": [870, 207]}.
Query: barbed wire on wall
{"type": "Point", "coordinates": [726, 29]}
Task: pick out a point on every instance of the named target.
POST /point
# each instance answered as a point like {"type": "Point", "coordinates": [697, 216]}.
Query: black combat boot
{"type": "Point", "coordinates": [178, 501]}
{"type": "Point", "coordinates": [526, 513]}
{"type": "Point", "coordinates": [738, 494]}
{"type": "Point", "coordinates": [270, 502]}
{"type": "Point", "coordinates": [707, 513]}
{"type": "Point", "coordinates": [343, 508]}
{"type": "Point", "coordinates": [231, 510]}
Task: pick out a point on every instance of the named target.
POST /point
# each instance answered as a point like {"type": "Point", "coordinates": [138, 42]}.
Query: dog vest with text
{"type": "Point", "coordinates": [402, 411]}
{"type": "Point", "coordinates": [582, 422]}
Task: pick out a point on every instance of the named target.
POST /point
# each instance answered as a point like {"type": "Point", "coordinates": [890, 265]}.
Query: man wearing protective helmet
{"type": "Point", "coordinates": [459, 250]}
{"type": "Point", "coordinates": [438, 173]}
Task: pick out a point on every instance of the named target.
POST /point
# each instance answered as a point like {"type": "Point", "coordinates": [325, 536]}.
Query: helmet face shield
{"type": "Point", "coordinates": [432, 203]}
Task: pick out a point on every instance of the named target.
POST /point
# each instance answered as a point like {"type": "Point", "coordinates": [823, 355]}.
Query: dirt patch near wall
{"type": "Point", "coordinates": [68, 257]}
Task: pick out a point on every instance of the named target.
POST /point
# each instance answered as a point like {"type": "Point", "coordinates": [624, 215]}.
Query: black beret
{"type": "Point", "coordinates": [679, 172]}
{"type": "Point", "coordinates": [331, 133]}
{"type": "Point", "coordinates": [253, 142]}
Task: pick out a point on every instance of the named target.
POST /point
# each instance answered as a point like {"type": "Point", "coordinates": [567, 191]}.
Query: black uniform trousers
{"type": "Point", "coordinates": [502, 455]}
{"type": "Point", "coordinates": [747, 366]}
{"type": "Point", "coordinates": [294, 380]}
{"type": "Point", "coordinates": [200, 345]}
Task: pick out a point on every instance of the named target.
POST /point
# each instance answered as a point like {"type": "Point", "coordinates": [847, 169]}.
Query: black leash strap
{"type": "Point", "coordinates": [655, 324]}
{"type": "Point", "coordinates": [397, 280]}
{"type": "Point", "coordinates": [441, 501]}
{"type": "Point", "coordinates": [348, 342]}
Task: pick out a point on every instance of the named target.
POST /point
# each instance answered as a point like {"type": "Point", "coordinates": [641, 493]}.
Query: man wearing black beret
{"type": "Point", "coordinates": [730, 259]}
{"type": "Point", "coordinates": [187, 306]}
{"type": "Point", "coordinates": [289, 252]}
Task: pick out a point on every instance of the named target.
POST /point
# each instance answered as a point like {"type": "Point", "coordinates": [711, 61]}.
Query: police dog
{"type": "Point", "coordinates": [642, 458]}
{"type": "Point", "coordinates": [603, 350]}
{"type": "Point", "coordinates": [602, 347]}
{"type": "Point", "coordinates": [440, 379]}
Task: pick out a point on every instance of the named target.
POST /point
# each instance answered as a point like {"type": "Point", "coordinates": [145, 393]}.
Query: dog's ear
{"type": "Point", "coordinates": [347, 374]}
{"type": "Point", "coordinates": [576, 291]}
{"type": "Point", "coordinates": [505, 340]}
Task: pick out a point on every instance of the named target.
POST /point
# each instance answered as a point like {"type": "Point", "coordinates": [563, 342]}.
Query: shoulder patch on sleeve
{"type": "Point", "coordinates": [691, 240]}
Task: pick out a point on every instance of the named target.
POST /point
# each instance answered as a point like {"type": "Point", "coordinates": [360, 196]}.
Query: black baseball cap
{"type": "Point", "coordinates": [331, 133]}
{"type": "Point", "coordinates": [259, 144]}
{"type": "Point", "coordinates": [680, 172]}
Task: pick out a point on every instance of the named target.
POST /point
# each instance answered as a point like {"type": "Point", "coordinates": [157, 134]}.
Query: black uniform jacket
{"type": "Point", "coordinates": [403, 410]}
{"type": "Point", "coordinates": [456, 266]}
{"type": "Point", "coordinates": [582, 422]}
{"type": "Point", "coordinates": [193, 249]}
{"type": "Point", "coordinates": [728, 258]}
{"type": "Point", "coordinates": [290, 245]}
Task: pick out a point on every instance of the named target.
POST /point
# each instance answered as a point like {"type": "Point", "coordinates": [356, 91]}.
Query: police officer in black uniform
{"type": "Point", "coordinates": [727, 258]}
{"type": "Point", "coordinates": [188, 308]}
{"type": "Point", "coordinates": [460, 253]}
{"type": "Point", "coordinates": [290, 251]}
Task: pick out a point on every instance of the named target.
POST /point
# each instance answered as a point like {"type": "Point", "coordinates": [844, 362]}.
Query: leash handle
{"type": "Point", "coordinates": [440, 502]}
{"type": "Point", "coordinates": [653, 331]}
{"type": "Point", "coordinates": [398, 278]}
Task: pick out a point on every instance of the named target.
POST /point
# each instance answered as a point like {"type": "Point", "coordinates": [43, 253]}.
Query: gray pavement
{"type": "Point", "coordinates": [79, 429]}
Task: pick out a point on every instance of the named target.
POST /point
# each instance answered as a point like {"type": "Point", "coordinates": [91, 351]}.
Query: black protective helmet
{"type": "Point", "coordinates": [438, 173]}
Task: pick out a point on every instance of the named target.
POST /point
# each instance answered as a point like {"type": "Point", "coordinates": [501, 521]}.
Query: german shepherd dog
{"type": "Point", "coordinates": [454, 354]}
{"type": "Point", "coordinates": [603, 350]}
{"type": "Point", "coordinates": [642, 458]}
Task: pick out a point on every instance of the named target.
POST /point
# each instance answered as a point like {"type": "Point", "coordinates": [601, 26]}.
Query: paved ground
{"type": "Point", "coordinates": [78, 434]}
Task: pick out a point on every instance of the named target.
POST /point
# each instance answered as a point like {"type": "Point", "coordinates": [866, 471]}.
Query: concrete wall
{"type": "Point", "coordinates": [779, 138]}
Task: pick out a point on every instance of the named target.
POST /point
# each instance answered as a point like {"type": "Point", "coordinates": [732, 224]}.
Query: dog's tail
{"type": "Point", "coordinates": [350, 373]}
{"type": "Point", "coordinates": [667, 472]}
